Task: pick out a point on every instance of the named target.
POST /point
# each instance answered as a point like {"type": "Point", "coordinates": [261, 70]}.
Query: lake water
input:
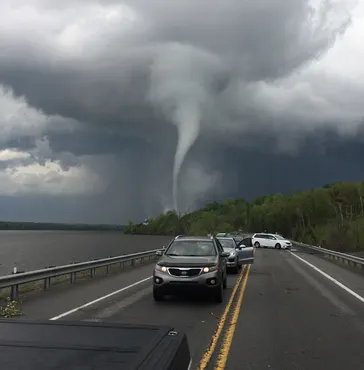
{"type": "Point", "coordinates": [30, 250]}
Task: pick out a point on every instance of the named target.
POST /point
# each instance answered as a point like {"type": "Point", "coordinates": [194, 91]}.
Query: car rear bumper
{"type": "Point", "coordinates": [230, 264]}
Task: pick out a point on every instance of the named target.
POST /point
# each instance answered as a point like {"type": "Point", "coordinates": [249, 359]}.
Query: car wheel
{"type": "Point", "coordinates": [257, 245]}
{"type": "Point", "coordinates": [224, 282]}
{"type": "Point", "coordinates": [278, 246]}
{"type": "Point", "coordinates": [219, 293]}
{"type": "Point", "coordinates": [157, 295]}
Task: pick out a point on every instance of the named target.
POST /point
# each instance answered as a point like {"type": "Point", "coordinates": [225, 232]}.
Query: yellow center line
{"type": "Point", "coordinates": [225, 348]}
{"type": "Point", "coordinates": [207, 355]}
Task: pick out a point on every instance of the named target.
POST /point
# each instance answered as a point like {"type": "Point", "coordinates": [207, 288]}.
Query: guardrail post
{"type": "Point", "coordinates": [14, 290]}
{"type": "Point", "coordinates": [132, 262]}
{"type": "Point", "coordinates": [47, 283]}
{"type": "Point", "coordinates": [73, 277]}
{"type": "Point", "coordinates": [92, 272]}
{"type": "Point", "coordinates": [107, 269]}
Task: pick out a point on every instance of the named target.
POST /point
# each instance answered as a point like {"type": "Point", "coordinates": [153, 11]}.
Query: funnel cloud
{"type": "Point", "coordinates": [182, 86]}
{"type": "Point", "coordinates": [142, 106]}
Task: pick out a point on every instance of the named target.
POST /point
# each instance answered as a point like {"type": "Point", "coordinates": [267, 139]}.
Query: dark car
{"type": "Point", "coordinates": [46, 344]}
{"type": "Point", "coordinates": [191, 262]}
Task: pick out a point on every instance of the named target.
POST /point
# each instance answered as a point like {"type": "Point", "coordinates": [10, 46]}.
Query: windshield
{"type": "Point", "coordinates": [191, 248]}
{"type": "Point", "coordinates": [227, 243]}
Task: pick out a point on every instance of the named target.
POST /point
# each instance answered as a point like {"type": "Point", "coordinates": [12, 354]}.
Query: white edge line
{"type": "Point", "coordinates": [327, 276]}
{"type": "Point", "coordinates": [99, 299]}
{"type": "Point", "coordinates": [190, 365]}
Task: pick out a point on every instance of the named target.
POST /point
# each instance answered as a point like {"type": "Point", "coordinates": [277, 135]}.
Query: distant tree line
{"type": "Point", "coordinates": [4, 225]}
{"type": "Point", "coordinates": [331, 216]}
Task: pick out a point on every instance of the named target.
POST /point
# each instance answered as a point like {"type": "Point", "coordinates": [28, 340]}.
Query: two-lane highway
{"type": "Point", "coordinates": [280, 313]}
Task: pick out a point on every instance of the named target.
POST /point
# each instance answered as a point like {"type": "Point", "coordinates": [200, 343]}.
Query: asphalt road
{"type": "Point", "coordinates": [278, 314]}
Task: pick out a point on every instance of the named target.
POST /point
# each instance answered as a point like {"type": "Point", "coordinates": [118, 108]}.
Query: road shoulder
{"type": "Point", "coordinates": [65, 297]}
{"type": "Point", "coordinates": [352, 278]}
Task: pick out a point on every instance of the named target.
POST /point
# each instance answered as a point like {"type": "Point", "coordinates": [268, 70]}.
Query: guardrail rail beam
{"type": "Point", "coordinates": [18, 278]}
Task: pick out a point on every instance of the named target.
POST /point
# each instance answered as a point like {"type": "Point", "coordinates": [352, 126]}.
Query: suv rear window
{"type": "Point", "coordinates": [227, 243]}
{"type": "Point", "coordinates": [191, 248]}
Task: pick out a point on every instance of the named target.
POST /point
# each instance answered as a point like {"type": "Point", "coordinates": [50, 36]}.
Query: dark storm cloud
{"type": "Point", "coordinates": [121, 83]}
{"type": "Point", "coordinates": [253, 41]}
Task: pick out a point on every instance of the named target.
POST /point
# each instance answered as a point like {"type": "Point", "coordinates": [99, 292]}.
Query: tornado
{"type": "Point", "coordinates": [187, 120]}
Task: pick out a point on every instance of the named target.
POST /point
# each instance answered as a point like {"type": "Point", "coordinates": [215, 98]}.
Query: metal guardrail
{"type": "Point", "coordinates": [13, 281]}
{"type": "Point", "coordinates": [349, 259]}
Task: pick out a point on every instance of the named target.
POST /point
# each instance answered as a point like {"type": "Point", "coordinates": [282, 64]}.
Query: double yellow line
{"type": "Point", "coordinates": [228, 338]}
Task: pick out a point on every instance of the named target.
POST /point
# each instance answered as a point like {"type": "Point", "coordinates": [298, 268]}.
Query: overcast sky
{"type": "Point", "coordinates": [262, 95]}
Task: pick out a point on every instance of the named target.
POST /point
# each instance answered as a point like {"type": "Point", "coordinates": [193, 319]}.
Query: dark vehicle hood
{"type": "Point", "coordinates": [170, 261]}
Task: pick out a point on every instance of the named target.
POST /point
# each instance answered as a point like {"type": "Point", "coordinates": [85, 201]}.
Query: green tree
{"type": "Point", "coordinates": [332, 216]}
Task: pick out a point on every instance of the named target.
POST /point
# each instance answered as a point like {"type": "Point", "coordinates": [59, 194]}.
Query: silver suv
{"type": "Point", "coordinates": [191, 262]}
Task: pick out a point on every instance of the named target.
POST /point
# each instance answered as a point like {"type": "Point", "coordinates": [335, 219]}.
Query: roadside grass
{"type": "Point", "coordinates": [9, 308]}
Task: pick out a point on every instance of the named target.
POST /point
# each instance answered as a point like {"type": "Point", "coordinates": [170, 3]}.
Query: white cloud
{"type": "Point", "coordinates": [325, 93]}
{"type": "Point", "coordinates": [9, 155]}
{"type": "Point", "coordinates": [74, 31]}
{"type": "Point", "coordinates": [38, 170]}
{"type": "Point", "coordinates": [49, 179]}
{"type": "Point", "coordinates": [17, 117]}
{"type": "Point", "coordinates": [328, 91]}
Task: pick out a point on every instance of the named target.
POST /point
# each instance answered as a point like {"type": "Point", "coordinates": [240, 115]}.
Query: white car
{"type": "Point", "coordinates": [270, 241]}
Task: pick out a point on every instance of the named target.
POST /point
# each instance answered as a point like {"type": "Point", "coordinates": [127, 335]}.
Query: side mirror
{"type": "Point", "coordinates": [159, 253]}
{"type": "Point", "coordinates": [242, 246]}
{"type": "Point", "coordinates": [225, 254]}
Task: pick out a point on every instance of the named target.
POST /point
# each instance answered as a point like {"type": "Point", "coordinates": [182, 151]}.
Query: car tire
{"type": "Point", "coordinates": [257, 245]}
{"type": "Point", "coordinates": [277, 246]}
{"type": "Point", "coordinates": [219, 293]}
{"type": "Point", "coordinates": [157, 295]}
{"type": "Point", "coordinates": [224, 282]}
